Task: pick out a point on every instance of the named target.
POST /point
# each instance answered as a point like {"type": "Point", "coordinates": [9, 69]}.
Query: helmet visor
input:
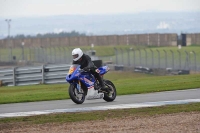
{"type": "Point", "coordinates": [75, 56]}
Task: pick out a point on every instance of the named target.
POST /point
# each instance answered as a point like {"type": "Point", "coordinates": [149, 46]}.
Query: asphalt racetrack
{"type": "Point", "coordinates": [169, 97]}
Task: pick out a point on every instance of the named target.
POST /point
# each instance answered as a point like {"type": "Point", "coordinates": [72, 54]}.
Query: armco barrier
{"type": "Point", "coordinates": [45, 74]}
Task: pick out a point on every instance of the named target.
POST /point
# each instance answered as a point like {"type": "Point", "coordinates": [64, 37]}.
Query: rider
{"type": "Point", "coordinates": [86, 64]}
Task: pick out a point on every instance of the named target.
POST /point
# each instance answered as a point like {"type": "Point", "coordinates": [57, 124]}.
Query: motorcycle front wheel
{"type": "Point", "coordinates": [76, 96]}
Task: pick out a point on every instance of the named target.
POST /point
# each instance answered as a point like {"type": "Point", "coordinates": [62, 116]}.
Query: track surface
{"type": "Point", "coordinates": [126, 99]}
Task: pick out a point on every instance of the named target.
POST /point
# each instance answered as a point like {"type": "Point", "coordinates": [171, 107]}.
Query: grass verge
{"type": "Point", "coordinates": [125, 82]}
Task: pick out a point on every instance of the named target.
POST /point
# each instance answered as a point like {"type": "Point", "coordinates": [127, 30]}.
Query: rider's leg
{"type": "Point", "coordinates": [98, 77]}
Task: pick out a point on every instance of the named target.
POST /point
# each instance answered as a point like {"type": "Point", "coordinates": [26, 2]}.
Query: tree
{"type": "Point", "coordinates": [61, 34]}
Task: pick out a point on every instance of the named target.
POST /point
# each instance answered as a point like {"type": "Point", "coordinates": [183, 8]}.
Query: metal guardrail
{"type": "Point", "coordinates": [45, 74]}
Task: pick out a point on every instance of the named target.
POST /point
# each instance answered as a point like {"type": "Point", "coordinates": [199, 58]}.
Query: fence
{"type": "Point", "coordinates": [36, 54]}
{"type": "Point", "coordinates": [158, 59]}
{"type": "Point", "coordinates": [153, 58]}
{"type": "Point", "coordinates": [45, 74]}
{"type": "Point", "coordinates": [153, 39]}
{"type": "Point", "coordinates": [187, 59]}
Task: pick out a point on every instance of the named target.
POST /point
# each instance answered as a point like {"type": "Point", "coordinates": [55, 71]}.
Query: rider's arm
{"type": "Point", "coordinates": [90, 63]}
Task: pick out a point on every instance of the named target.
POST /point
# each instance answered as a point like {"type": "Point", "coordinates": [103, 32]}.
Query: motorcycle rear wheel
{"type": "Point", "coordinates": [111, 92]}
{"type": "Point", "coordinates": [75, 96]}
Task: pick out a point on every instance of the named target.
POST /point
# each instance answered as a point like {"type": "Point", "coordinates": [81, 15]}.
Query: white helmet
{"type": "Point", "coordinates": [77, 54]}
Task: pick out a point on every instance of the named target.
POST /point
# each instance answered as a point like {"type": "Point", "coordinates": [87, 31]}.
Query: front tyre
{"type": "Point", "coordinates": [76, 97]}
{"type": "Point", "coordinates": [111, 91]}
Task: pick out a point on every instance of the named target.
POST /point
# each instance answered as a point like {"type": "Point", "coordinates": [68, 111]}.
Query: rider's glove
{"type": "Point", "coordinates": [97, 71]}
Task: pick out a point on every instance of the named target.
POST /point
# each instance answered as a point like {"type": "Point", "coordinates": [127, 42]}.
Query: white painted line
{"type": "Point", "coordinates": [120, 106]}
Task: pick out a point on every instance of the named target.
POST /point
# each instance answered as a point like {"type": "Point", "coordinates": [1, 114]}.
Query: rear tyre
{"type": "Point", "coordinates": [75, 96]}
{"type": "Point", "coordinates": [111, 93]}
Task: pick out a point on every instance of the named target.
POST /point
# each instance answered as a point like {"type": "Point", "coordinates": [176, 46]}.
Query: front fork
{"type": "Point", "coordinates": [78, 87]}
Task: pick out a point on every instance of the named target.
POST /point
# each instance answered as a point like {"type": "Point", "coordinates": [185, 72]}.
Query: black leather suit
{"type": "Point", "coordinates": [86, 63]}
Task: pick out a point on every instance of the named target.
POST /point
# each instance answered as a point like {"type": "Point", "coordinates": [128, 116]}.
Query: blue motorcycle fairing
{"type": "Point", "coordinates": [73, 76]}
{"type": "Point", "coordinates": [88, 79]}
{"type": "Point", "coordinates": [85, 77]}
{"type": "Point", "coordinates": [103, 70]}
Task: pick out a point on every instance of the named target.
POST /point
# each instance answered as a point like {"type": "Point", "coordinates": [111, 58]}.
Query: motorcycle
{"type": "Point", "coordinates": [83, 85]}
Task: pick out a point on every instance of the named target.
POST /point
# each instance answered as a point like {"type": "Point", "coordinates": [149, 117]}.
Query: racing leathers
{"type": "Point", "coordinates": [86, 64]}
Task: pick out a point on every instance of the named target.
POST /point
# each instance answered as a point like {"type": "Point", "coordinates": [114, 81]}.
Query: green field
{"type": "Point", "coordinates": [125, 82]}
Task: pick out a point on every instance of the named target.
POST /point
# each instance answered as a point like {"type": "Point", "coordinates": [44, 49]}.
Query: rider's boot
{"type": "Point", "coordinates": [101, 83]}
{"type": "Point", "coordinates": [102, 86]}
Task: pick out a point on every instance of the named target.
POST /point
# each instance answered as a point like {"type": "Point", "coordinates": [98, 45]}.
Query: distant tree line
{"type": "Point", "coordinates": [50, 35]}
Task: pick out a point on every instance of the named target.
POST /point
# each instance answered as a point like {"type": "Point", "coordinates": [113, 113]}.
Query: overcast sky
{"type": "Point", "coordinates": [21, 8]}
